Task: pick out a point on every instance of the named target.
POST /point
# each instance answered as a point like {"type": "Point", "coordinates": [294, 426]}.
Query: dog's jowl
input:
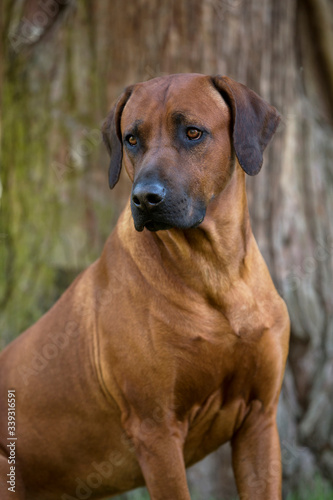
{"type": "Point", "coordinates": [175, 340]}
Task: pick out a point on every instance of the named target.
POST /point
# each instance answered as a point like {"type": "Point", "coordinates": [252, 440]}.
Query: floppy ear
{"type": "Point", "coordinates": [112, 136]}
{"type": "Point", "coordinates": [254, 122]}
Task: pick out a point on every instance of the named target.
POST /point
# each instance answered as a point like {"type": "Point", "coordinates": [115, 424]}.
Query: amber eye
{"type": "Point", "coordinates": [132, 140]}
{"type": "Point", "coordinates": [193, 134]}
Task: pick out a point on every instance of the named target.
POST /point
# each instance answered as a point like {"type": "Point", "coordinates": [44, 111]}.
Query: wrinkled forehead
{"type": "Point", "coordinates": [191, 96]}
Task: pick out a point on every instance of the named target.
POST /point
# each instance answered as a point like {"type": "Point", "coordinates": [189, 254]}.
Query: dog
{"type": "Point", "coordinates": [175, 340]}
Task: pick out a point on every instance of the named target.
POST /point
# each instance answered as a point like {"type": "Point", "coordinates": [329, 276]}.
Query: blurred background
{"type": "Point", "coordinates": [63, 62]}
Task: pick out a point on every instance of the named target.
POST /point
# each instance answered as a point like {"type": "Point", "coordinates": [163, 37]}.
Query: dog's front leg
{"type": "Point", "coordinates": [159, 450]}
{"type": "Point", "coordinates": [256, 456]}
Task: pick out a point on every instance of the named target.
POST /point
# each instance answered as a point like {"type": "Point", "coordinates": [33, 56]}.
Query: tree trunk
{"type": "Point", "coordinates": [59, 86]}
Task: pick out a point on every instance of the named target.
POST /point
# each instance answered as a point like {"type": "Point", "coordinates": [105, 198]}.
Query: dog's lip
{"type": "Point", "coordinates": [151, 225]}
{"type": "Point", "coordinates": [154, 226]}
{"type": "Point", "coordinates": [198, 223]}
{"type": "Point", "coordinates": [157, 226]}
{"type": "Point", "coordinates": [139, 227]}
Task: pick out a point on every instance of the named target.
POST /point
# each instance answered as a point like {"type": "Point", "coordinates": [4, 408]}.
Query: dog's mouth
{"type": "Point", "coordinates": [155, 214]}
{"type": "Point", "coordinates": [154, 226]}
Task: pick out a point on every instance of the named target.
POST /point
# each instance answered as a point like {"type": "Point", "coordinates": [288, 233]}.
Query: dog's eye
{"type": "Point", "coordinates": [193, 134]}
{"type": "Point", "coordinates": [131, 140]}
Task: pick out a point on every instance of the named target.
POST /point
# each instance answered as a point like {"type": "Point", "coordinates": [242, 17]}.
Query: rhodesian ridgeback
{"type": "Point", "coordinates": [175, 340]}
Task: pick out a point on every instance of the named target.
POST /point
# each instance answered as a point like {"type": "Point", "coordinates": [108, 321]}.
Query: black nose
{"type": "Point", "coordinates": [148, 196]}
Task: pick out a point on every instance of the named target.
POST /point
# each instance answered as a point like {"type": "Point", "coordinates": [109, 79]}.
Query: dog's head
{"type": "Point", "coordinates": [178, 136]}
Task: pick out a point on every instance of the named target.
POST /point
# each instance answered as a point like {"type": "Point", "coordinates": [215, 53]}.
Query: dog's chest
{"type": "Point", "coordinates": [215, 372]}
{"type": "Point", "coordinates": [213, 390]}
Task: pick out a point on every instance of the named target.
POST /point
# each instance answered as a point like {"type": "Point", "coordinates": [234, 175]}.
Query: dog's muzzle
{"type": "Point", "coordinates": [147, 204]}
{"type": "Point", "coordinates": [154, 208]}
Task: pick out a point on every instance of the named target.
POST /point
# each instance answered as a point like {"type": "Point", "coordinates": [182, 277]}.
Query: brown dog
{"type": "Point", "coordinates": [175, 340]}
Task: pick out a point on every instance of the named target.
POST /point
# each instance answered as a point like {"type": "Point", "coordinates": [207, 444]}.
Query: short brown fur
{"type": "Point", "coordinates": [174, 341]}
